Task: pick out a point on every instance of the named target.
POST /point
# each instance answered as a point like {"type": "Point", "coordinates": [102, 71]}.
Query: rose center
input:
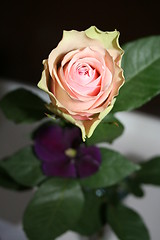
{"type": "Point", "coordinates": [83, 70]}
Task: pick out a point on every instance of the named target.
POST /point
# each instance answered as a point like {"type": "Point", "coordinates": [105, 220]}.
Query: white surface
{"type": "Point", "coordinates": [141, 139]}
{"type": "Point", "coordinates": [139, 142]}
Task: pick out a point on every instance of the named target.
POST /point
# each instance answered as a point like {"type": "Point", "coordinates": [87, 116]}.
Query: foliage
{"type": "Point", "coordinates": [86, 205]}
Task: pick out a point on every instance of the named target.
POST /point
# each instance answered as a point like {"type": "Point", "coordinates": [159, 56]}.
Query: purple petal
{"type": "Point", "coordinates": [72, 137]}
{"type": "Point", "coordinates": [89, 160]}
{"type": "Point", "coordinates": [63, 169]}
{"type": "Point", "coordinates": [52, 141]}
{"type": "Point", "coordinates": [49, 143]}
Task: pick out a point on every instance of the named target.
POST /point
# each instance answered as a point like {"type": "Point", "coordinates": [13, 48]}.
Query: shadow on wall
{"type": "Point", "coordinates": [31, 29]}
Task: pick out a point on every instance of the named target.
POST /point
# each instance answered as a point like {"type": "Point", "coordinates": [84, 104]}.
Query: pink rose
{"type": "Point", "coordinates": [82, 77]}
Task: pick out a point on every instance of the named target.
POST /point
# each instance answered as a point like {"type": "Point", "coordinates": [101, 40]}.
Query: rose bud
{"type": "Point", "coordinates": [82, 76]}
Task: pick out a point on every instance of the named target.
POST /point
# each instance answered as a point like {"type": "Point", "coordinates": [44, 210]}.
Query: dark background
{"type": "Point", "coordinates": [31, 29]}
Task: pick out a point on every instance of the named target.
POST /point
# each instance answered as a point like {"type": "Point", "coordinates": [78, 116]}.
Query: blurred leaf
{"type": "Point", "coordinates": [24, 167]}
{"type": "Point", "coordinates": [141, 64]}
{"type": "Point", "coordinates": [135, 188]}
{"type": "Point", "coordinates": [150, 172]}
{"type": "Point", "coordinates": [23, 106]}
{"type": "Point", "coordinates": [114, 168]}
{"type": "Point", "coordinates": [107, 131]}
{"type": "Point", "coordinates": [126, 223]}
{"type": "Point", "coordinates": [89, 222]}
{"type": "Point", "coordinates": [54, 209]}
{"type": "Point", "coordinates": [130, 185]}
{"type": "Point", "coordinates": [7, 182]}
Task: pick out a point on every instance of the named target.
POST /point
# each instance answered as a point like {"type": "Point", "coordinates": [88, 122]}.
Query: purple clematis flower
{"type": "Point", "coordinates": [63, 154]}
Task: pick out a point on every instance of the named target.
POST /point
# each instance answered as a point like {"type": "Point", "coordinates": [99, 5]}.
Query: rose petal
{"type": "Point", "coordinates": [93, 104]}
{"type": "Point", "coordinates": [68, 103]}
{"type": "Point", "coordinates": [109, 41]}
{"type": "Point", "coordinates": [45, 84]}
{"type": "Point", "coordinates": [71, 40]}
{"type": "Point", "coordinates": [90, 125]}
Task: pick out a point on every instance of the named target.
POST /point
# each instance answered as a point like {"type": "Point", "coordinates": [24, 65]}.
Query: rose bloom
{"type": "Point", "coordinates": [82, 76]}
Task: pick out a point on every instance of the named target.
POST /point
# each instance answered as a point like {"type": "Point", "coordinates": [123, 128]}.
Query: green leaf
{"type": "Point", "coordinates": [114, 168]}
{"type": "Point", "coordinates": [141, 64]}
{"type": "Point", "coordinates": [7, 182]}
{"type": "Point", "coordinates": [54, 209]}
{"type": "Point", "coordinates": [150, 172]}
{"type": "Point", "coordinates": [24, 167]}
{"type": "Point", "coordinates": [126, 223]}
{"type": "Point", "coordinates": [131, 186]}
{"type": "Point", "coordinates": [135, 188]}
{"type": "Point", "coordinates": [22, 106]}
{"type": "Point", "coordinates": [109, 129]}
{"type": "Point", "coordinates": [89, 222]}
